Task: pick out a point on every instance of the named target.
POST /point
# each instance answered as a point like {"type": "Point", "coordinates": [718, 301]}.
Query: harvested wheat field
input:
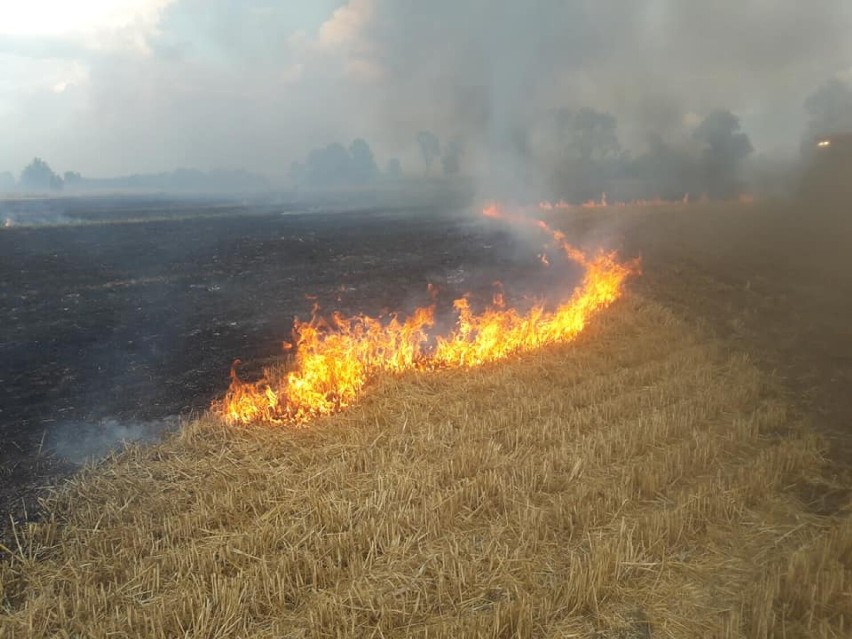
{"type": "Point", "coordinates": [643, 481]}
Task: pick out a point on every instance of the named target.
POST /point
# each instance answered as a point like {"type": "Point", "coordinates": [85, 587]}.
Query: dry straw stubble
{"type": "Point", "coordinates": [638, 482]}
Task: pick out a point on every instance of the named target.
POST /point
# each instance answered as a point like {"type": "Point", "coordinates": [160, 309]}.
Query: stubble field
{"type": "Point", "coordinates": [677, 471]}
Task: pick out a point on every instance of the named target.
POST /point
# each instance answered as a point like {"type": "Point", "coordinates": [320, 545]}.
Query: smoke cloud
{"type": "Point", "coordinates": [81, 442]}
{"type": "Point", "coordinates": [259, 84]}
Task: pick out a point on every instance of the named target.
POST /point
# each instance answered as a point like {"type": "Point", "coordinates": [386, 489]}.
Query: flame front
{"type": "Point", "coordinates": [334, 359]}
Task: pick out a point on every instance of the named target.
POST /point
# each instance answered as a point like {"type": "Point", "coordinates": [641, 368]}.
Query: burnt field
{"type": "Point", "coordinates": [679, 469]}
{"type": "Point", "coordinates": [122, 315]}
{"type": "Point", "coordinates": [119, 319]}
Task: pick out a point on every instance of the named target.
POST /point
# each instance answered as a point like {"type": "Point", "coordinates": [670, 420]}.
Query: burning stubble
{"type": "Point", "coordinates": [334, 359]}
{"type": "Point", "coordinates": [634, 481]}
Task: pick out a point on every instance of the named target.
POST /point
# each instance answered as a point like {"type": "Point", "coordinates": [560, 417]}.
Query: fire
{"type": "Point", "coordinates": [333, 360]}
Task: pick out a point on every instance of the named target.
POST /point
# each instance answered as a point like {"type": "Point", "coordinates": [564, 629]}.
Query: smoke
{"type": "Point", "coordinates": [79, 442]}
{"type": "Point", "coordinates": [32, 212]}
{"type": "Point", "coordinates": [497, 73]}
{"type": "Point", "coordinates": [829, 109]}
{"type": "Point", "coordinates": [491, 74]}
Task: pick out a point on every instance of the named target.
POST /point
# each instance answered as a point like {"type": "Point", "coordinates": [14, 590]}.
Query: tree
{"type": "Point", "coordinates": [725, 147]}
{"type": "Point", "coordinates": [363, 165]}
{"type": "Point", "coordinates": [593, 135]}
{"type": "Point", "coordinates": [430, 148]}
{"type": "Point", "coordinates": [330, 166]}
{"type": "Point", "coordinates": [38, 176]}
{"type": "Point", "coordinates": [585, 151]}
{"type": "Point", "coordinates": [666, 172]}
{"type": "Point", "coordinates": [72, 179]}
{"type": "Point", "coordinates": [335, 166]}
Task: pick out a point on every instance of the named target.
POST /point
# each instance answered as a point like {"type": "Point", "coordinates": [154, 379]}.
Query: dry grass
{"type": "Point", "coordinates": [640, 482]}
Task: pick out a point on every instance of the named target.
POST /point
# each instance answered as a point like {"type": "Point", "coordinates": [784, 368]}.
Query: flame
{"type": "Point", "coordinates": [332, 361]}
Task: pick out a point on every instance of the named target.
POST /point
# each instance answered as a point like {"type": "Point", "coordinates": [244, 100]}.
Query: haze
{"type": "Point", "coordinates": [133, 86]}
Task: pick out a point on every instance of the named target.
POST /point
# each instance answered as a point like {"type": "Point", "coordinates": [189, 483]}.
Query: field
{"type": "Point", "coordinates": [680, 470]}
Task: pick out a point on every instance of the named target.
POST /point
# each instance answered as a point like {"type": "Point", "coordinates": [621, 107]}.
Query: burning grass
{"type": "Point", "coordinates": [640, 480]}
{"type": "Point", "coordinates": [334, 360]}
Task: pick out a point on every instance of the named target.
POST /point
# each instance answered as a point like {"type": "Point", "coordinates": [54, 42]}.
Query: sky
{"type": "Point", "coordinates": [112, 87]}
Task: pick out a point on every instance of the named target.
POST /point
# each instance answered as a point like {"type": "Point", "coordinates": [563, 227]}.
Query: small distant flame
{"type": "Point", "coordinates": [824, 143]}
{"type": "Point", "coordinates": [334, 359]}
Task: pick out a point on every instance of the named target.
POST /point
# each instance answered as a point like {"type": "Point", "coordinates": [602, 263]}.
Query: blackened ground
{"type": "Point", "coordinates": [113, 327]}
{"type": "Point", "coordinates": [110, 328]}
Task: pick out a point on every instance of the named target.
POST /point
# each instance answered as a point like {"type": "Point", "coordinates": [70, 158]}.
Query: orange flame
{"type": "Point", "coordinates": [334, 359]}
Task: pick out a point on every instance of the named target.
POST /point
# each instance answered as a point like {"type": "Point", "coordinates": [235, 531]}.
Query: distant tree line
{"type": "Point", "coordinates": [38, 177]}
{"type": "Point", "coordinates": [337, 166]}
{"type": "Point", "coordinates": [583, 158]}
{"type": "Point", "coordinates": [591, 162]}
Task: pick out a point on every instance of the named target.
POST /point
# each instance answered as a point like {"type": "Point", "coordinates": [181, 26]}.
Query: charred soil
{"type": "Point", "coordinates": [117, 325]}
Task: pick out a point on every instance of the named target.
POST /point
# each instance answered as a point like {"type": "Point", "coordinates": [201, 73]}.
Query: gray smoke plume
{"type": "Point", "coordinates": [80, 442]}
{"type": "Point", "coordinates": [829, 109]}
{"type": "Point", "coordinates": [492, 74]}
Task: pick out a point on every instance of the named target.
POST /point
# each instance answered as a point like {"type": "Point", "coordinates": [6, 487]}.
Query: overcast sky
{"type": "Point", "coordinates": [115, 87]}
